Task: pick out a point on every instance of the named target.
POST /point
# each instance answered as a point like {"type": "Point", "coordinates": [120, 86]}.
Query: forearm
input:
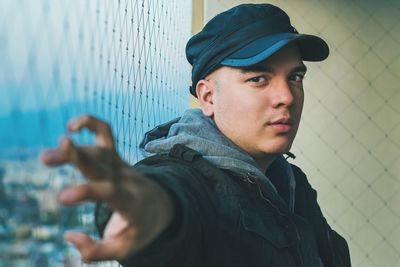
{"type": "Point", "coordinates": [155, 208]}
{"type": "Point", "coordinates": [143, 205]}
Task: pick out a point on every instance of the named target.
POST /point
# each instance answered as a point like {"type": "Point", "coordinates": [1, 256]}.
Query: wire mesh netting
{"type": "Point", "coordinates": [349, 138]}
{"type": "Point", "coordinates": [122, 61]}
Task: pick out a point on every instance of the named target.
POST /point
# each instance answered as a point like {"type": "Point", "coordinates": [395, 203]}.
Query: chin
{"type": "Point", "coordinates": [278, 148]}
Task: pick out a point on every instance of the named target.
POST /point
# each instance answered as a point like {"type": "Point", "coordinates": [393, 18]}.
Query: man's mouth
{"type": "Point", "coordinates": [282, 125]}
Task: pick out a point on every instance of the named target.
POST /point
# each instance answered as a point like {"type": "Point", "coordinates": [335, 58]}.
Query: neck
{"type": "Point", "coordinates": [264, 161]}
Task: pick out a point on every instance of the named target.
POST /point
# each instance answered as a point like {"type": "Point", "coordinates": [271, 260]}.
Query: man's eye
{"type": "Point", "coordinates": [258, 79]}
{"type": "Point", "coordinates": [297, 77]}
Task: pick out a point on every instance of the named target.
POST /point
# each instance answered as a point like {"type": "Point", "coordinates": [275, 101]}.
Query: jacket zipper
{"type": "Point", "coordinates": [250, 180]}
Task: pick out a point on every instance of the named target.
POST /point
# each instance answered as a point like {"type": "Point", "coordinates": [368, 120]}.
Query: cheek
{"type": "Point", "coordinates": [242, 109]}
{"type": "Point", "coordinates": [226, 103]}
{"type": "Point", "coordinates": [240, 106]}
{"type": "Point", "coordinates": [232, 113]}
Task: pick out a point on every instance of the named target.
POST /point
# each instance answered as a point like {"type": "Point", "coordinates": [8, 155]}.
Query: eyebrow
{"type": "Point", "coordinates": [263, 68]}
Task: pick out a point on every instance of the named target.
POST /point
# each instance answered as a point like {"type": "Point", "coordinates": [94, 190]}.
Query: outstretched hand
{"type": "Point", "coordinates": [142, 209]}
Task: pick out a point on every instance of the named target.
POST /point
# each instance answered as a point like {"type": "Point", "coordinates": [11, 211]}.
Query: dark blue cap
{"type": "Point", "coordinates": [246, 35]}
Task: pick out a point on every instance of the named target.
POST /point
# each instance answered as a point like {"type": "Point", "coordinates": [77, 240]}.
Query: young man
{"type": "Point", "coordinates": [215, 188]}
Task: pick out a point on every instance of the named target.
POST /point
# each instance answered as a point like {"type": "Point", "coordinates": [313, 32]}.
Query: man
{"type": "Point", "coordinates": [215, 188]}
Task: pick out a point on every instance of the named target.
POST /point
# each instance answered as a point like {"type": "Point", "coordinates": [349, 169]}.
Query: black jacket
{"type": "Point", "coordinates": [226, 220]}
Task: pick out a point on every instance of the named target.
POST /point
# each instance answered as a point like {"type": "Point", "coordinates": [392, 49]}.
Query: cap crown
{"type": "Point", "coordinates": [231, 30]}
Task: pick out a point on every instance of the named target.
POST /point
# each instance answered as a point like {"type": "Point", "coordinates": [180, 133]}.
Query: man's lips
{"type": "Point", "coordinates": [281, 125]}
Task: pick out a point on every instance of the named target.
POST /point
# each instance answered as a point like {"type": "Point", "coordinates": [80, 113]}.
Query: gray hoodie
{"type": "Point", "coordinates": [200, 133]}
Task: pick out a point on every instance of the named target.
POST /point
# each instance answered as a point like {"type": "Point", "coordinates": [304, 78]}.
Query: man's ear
{"type": "Point", "coordinates": [205, 91]}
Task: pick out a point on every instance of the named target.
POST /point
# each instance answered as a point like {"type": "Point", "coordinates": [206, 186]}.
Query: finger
{"type": "Point", "coordinates": [93, 191]}
{"type": "Point", "coordinates": [53, 157]}
{"type": "Point", "coordinates": [69, 150]}
{"type": "Point", "coordinates": [86, 159]}
{"type": "Point", "coordinates": [100, 128]}
{"type": "Point", "coordinates": [60, 155]}
{"type": "Point", "coordinates": [92, 250]}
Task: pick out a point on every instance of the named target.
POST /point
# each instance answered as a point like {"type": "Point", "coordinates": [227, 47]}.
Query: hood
{"type": "Point", "coordinates": [200, 133]}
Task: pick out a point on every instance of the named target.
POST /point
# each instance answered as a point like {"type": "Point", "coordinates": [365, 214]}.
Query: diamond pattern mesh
{"type": "Point", "coordinates": [121, 60]}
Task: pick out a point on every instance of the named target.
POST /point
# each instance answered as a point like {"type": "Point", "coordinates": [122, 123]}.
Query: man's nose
{"type": "Point", "coordinates": [283, 94]}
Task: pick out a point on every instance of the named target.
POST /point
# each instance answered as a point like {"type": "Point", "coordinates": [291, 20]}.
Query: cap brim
{"type": "Point", "coordinates": [312, 48]}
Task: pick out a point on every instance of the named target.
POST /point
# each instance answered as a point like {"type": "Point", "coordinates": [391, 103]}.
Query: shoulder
{"type": "Point", "coordinates": [178, 162]}
{"type": "Point", "coordinates": [183, 162]}
{"type": "Point", "coordinates": [186, 171]}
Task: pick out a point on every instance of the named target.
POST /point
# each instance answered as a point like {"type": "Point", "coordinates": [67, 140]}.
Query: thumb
{"type": "Point", "coordinates": [91, 250]}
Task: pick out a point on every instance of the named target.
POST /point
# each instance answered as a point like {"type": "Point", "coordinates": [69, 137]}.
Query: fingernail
{"type": "Point", "coordinates": [43, 157]}
{"type": "Point", "coordinates": [71, 125]}
{"type": "Point", "coordinates": [50, 156]}
{"type": "Point", "coordinates": [66, 195]}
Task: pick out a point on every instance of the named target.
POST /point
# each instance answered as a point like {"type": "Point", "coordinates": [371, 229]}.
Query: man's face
{"type": "Point", "coordinates": [259, 107]}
